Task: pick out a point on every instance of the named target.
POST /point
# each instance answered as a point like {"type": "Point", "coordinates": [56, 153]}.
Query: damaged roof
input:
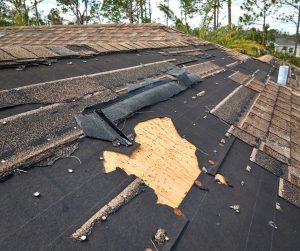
{"type": "Point", "coordinates": [140, 137]}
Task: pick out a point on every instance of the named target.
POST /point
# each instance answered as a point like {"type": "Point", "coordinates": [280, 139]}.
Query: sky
{"type": "Point", "coordinates": [157, 15]}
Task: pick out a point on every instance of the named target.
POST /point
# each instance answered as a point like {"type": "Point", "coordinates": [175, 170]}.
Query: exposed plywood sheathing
{"type": "Point", "coordinates": [165, 161]}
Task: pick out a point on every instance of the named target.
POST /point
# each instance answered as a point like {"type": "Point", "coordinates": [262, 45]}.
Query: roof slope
{"type": "Point", "coordinates": [41, 42]}
{"type": "Point", "coordinates": [59, 120]}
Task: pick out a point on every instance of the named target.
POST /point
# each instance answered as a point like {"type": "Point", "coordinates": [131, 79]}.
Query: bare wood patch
{"type": "Point", "coordinates": [165, 161]}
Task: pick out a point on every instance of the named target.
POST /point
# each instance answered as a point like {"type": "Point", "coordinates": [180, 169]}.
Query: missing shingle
{"type": "Point", "coordinates": [165, 161]}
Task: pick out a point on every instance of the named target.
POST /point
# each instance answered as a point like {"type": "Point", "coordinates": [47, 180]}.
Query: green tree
{"type": "Point", "coordinates": [256, 12]}
{"type": "Point", "coordinates": [134, 11]}
{"type": "Point", "coordinates": [292, 16]}
{"type": "Point", "coordinates": [210, 11]}
{"type": "Point", "coordinates": [5, 14]}
{"type": "Point", "coordinates": [37, 17]}
{"type": "Point", "coordinates": [179, 24]}
{"type": "Point", "coordinates": [113, 11]}
{"type": "Point", "coordinates": [19, 12]}
{"type": "Point", "coordinates": [188, 9]}
{"type": "Point", "coordinates": [80, 9]}
{"type": "Point", "coordinates": [229, 3]}
{"type": "Point", "coordinates": [54, 17]}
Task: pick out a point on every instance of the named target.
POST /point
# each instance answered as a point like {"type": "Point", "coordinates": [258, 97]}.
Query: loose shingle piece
{"type": "Point", "coordinates": [50, 92]}
{"type": "Point", "coordinates": [204, 69]}
{"type": "Point", "coordinates": [232, 108]}
{"type": "Point", "coordinates": [289, 192]}
{"type": "Point", "coordinates": [239, 77]}
{"type": "Point", "coordinates": [18, 52]}
{"type": "Point", "coordinates": [5, 56]}
{"type": "Point", "coordinates": [61, 50]}
{"type": "Point", "coordinates": [40, 51]}
{"type": "Point", "coordinates": [255, 85]}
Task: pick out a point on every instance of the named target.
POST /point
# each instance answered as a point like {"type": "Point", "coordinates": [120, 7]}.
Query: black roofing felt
{"type": "Point", "coordinates": [69, 199]}
{"type": "Point", "coordinates": [11, 78]}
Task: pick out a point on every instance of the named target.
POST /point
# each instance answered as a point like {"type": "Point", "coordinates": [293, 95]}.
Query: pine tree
{"type": "Point", "coordinates": [257, 11]}
{"type": "Point", "coordinates": [292, 16]}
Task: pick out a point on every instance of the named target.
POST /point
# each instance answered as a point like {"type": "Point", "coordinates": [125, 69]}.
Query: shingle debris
{"type": "Point", "coordinates": [131, 191]}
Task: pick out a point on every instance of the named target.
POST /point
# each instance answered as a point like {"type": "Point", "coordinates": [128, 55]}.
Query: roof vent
{"type": "Point", "coordinates": [283, 75]}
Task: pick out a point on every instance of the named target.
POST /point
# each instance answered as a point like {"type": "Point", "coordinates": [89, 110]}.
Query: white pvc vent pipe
{"type": "Point", "coordinates": [283, 75]}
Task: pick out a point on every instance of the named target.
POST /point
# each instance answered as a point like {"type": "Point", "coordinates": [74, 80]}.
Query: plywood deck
{"type": "Point", "coordinates": [166, 162]}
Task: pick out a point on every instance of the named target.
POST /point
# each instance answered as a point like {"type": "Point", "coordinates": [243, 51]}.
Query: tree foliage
{"type": "Point", "coordinates": [256, 12]}
{"type": "Point", "coordinates": [5, 14]}
{"type": "Point", "coordinates": [134, 11]}
{"type": "Point", "coordinates": [54, 16]}
{"type": "Point", "coordinates": [179, 24]}
{"type": "Point", "coordinates": [292, 16]}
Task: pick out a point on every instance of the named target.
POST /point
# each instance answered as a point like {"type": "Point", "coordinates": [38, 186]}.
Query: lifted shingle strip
{"type": "Point", "coordinates": [61, 50]}
{"type": "Point", "coordinates": [204, 69]}
{"type": "Point", "coordinates": [269, 163]}
{"type": "Point", "coordinates": [275, 154]}
{"type": "Point", "coordinates": [138, 45]}
{"type": "Point", "coordinates": [146, 44]}
{"type": "Point", "coordinates": [108, 47]}
{"type": "Point", "coordinates": [128, 45]}
{"type": "Point", "coordinates": [239, 77]}
{"type": "Point", "coordinates": [289, 192]}
{"type": "Point", "coordinates": [131, 191]}
{"type": "Point", "coordinates": [244, 136]}
{"type": "Point", "coordinates": [218, 106]}
{"type": "Point", "coordinates": [184, 51]}
{"type": "Point", "coordinates": [27, 158]}
{"type": "Point", "coordinates": [255, 131]}
{"type": "Point", "coordinates": [258, 120]}
{"type": "Point", "coordinates": [18, 52]}
{"type": "Point", "coordinates": [40, 51]}
{"type": "Point", "coordinates": [133, 67]}
{"type": "Point", "coordinates": [241, 122]}
{"type": "Point", "coordinates": [119, 46]}
{"type": "Point", "coordinates": [5, 56]}
{"type": "Point", "coordinates": [97, 47]}
{"type": "Point", "coordinates": [63, 90]}
{"type": "Point", "coordinates": [151, 44]}
{"type": "Point", "coordinates": [156, 44]}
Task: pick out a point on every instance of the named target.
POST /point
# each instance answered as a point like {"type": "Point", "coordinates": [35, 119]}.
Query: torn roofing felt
{"type": "Point", "coordinates": [100, 120]}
